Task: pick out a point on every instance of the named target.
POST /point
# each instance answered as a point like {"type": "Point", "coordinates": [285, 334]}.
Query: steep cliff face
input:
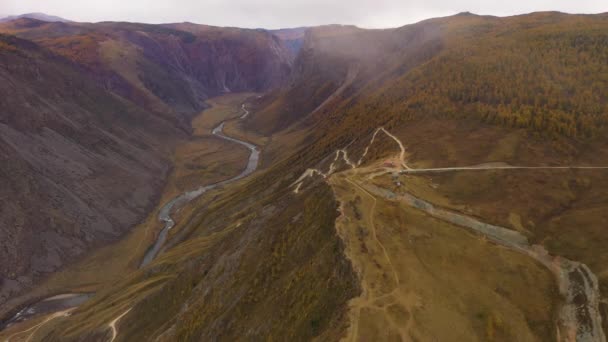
{"type": "Point", "coordinates": [170, 69]}
{"type": "Point", "coordinates": [337, 63]}
{"type": "Point", "coordinates": [79, 166]}
{"type": "Point", "coordinates": [232, 59]}
{"type": "Point", "coordinates": [88, 117]}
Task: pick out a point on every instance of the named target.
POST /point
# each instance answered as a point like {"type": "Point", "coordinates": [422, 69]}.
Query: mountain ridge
{"type": "Point", "coordinates": [483, 117]}
{"type": "Point", "coordinates": [37, 16]}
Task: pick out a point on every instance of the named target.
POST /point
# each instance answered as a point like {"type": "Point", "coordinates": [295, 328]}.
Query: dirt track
{"type": "Point", "coordinates": [579, 316]}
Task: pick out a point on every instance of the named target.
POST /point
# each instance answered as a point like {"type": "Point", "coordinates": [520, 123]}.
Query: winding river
{"type": "Point", "coordinates": [165, 212]}
{"type": "Point", "coordinates": [72, 300]}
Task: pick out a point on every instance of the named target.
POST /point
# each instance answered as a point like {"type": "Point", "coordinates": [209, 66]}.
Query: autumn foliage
{"type": "Point", "coordinates": [512, 72]}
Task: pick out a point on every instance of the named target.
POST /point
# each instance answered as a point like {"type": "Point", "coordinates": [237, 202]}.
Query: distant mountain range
{"type": "Point", "coordinates": [37, 16]}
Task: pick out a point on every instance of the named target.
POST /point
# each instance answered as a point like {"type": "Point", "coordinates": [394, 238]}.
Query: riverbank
{"type": "Point", "coordinates": [184, 198]}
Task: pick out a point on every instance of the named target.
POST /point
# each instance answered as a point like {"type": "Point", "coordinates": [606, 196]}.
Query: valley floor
{"type": "Point", "coordinates": [203, 159]}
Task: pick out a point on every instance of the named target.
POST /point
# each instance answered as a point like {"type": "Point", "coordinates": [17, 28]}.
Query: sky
{"type": "Point", "coordinates": [273, 14]}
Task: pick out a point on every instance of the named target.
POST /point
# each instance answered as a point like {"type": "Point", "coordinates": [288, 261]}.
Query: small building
{"type": "Point", "coordinates": [389, 163]}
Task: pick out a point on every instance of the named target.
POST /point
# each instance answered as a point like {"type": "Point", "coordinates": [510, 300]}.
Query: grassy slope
{"type": "Point", "coordinates": [436, 109]}
{"type": "Point", "coordinates": [426, 279]}
{"type": "Point", "coordinates": [272, 257]}
{"type": "Point", "coordinates": [256, 257]}
{"type": "Point", "coordinates": [430, 121]}
{"type": "Point", "coordinates": [477, 100]}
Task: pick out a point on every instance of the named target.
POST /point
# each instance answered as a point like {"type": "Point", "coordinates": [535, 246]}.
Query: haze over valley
{"type": "Point", "coordinates": [442, 180]}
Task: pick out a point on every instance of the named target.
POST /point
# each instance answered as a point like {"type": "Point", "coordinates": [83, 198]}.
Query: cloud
{"type": "Point", "coordinates": [287, 13]}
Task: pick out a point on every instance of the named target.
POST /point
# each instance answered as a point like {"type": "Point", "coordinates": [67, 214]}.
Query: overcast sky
{"type": "Point", "coordinates": [288, 13]}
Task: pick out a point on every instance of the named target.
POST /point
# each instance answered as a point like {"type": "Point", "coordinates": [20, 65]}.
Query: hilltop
{"type": "Point", "coordinates": [37, 16]}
